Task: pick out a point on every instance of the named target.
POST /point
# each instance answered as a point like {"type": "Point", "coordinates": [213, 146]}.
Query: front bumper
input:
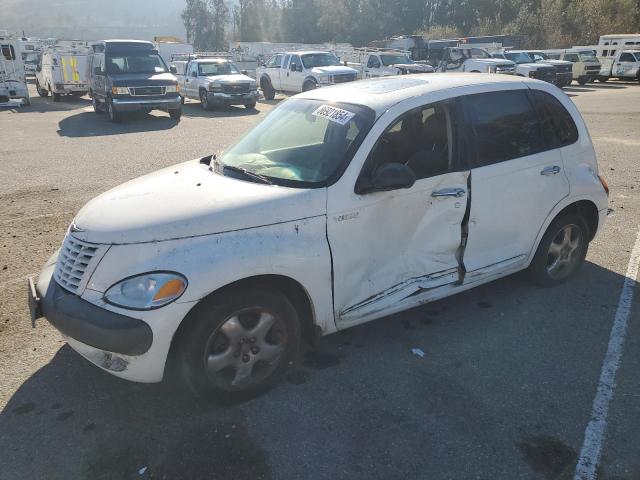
{"type": "Point", "coordinates": [85, 322]}
{"type": "Point", "coordinates": [137, 104]}
{"type": "Point", "coordinates": [216, 98]}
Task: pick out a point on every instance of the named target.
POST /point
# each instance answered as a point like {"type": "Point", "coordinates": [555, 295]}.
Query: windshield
{"type": "Point", "coordinates": [135, 63]}
{"type": "Point", "coordinates": [588, 57]}
{"type": "Point", "coordinates": [519, 57]}
{"type": "Point", "coordinates": [30, 58]}
{"type": "Point", "coordinates": [319, 60]}
{"type": "Point", "coordinates": [394, 59]}
{"type": "Point", "coordinates": [302, 143]}
{"type": "Point", "coordinates": [537, 56]}
{"type": "Point", "coordinates": [217, 68]}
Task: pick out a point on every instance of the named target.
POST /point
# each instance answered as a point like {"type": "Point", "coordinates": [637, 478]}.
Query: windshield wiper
{"type": "Point", "coordinates": [245, 172]}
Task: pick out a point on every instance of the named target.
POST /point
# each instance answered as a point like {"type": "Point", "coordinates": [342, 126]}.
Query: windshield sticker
{"type": "Point", "coordinates": [334, 114]}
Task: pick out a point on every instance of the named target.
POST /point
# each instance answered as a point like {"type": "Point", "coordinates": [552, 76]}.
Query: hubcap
{"type": "Point", "coordinates": [246, 349]}
{"type": "Point", "coordinates": [563, 252]}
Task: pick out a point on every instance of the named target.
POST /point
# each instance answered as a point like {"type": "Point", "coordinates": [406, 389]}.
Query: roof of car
{"type": "Point", "coordinates": [382, 93]}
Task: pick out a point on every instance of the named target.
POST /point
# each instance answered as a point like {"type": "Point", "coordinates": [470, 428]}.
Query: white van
{"type": "Point", "coordinates": [13, 82]}
{"type": "Point", "coordinates": [344, 205]}
{"type": "Point", "coordinates": [62, 70]}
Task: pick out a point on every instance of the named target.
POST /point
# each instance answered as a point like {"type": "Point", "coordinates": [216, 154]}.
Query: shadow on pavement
{"type": "Point", "coordinates": [90, 124]}
{"type": "Point", "coordinates": [192, 109]}
{"type": "Point", "coordinates": [369, 408]}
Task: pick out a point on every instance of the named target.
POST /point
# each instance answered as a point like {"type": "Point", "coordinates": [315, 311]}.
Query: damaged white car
{"type": "Point", "coordinates": [344, 205]}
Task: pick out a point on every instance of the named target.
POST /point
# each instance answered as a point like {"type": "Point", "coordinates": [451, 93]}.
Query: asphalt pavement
{"type": "Point", "coordinates": [504, 391]}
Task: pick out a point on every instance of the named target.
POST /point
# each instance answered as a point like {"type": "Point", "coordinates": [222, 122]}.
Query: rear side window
{"type": "Point", "coordinates": [8, 52]}
{"type": "Point", "coordinates": [505, 126]}
{"type": "Point", "coordinates": [627, 57]}
{"type": "Point", "coordinates": [558, 127]}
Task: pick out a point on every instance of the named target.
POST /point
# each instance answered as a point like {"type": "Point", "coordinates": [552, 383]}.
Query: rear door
{"type": "Point", "coordinates": [517, 179]}
{"type": "Point", "coordinates": [272, 68]}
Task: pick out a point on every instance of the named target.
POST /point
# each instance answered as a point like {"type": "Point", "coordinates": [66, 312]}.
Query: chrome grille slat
{"type": "Point", "coordinates": [74, 259]}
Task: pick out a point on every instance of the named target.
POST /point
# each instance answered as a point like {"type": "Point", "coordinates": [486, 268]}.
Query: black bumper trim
{"type": "Point", "coordinates": [90, 324]}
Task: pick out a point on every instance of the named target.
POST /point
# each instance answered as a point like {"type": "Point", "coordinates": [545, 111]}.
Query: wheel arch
{"type": "Point", "coordinates": [584, 207]}
{"type": "Point", "coordinates": [292, 289]}
{"type": "Point", "coordinates": [264, 78]}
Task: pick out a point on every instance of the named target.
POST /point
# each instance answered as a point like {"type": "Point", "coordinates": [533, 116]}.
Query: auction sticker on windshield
{"type": "Point", "coordinates": [334, 114]}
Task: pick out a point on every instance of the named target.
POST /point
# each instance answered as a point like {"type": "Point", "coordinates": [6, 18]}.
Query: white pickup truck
{"type": "Point", "coordinates": [624, 65]}
{"type": "Point", "coordinates": [296, 72]}
{"type": "Point", "coordinates": [386, 63]}
{"type": "Point", "coordinates": [215, 82]}
{"type": "Point", "coordinates": [526, 66]}
{"type": "Point", "coordinates": [473, 59]}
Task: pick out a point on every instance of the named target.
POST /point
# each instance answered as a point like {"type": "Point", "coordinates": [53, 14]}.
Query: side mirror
{"type": "Point", "coordinates": [97, 71]}
{"type": "Point", "coordinates": [293, 67]}
{"type": "Point", "coordinates": [389, 176]}
{"type": "Point", "coordinates": [244, 72]}
{"type": "Point", "coordinates": [194, 74]}
{"type": "Point", "coordinates": [173, 69]}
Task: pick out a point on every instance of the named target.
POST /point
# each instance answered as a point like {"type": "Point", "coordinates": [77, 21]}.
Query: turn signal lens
{"type": "Point", "coordinates": [171, 289]}
{"type": "Point", "coordinates": [605, 185]}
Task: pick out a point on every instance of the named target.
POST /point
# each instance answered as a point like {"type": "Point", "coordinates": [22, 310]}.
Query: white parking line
{"type": "Point", "coordinates": [589, 459]}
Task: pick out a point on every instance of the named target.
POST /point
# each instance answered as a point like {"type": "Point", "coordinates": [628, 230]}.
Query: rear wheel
{"type": "Point", "coordinates": [55, 96]}
{"type": "Point", "coordinates": [561, 252]}
{"type": "Point", "coordinates": [238, 344]}
{"type": "Point", "coordinates": [267, 89]}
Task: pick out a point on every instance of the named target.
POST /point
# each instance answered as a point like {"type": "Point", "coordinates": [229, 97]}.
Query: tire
{"type": "Point", "coordinates": [561, 252]}
{"type": "Point", "coordinates": [114, 115]}
{"type": "Point", "coordinates": [43, 92]}
{"type": "Point", "coordinates": [204, 100]}
{"type": "Point", "coordinates": [257, 330]}
{"type": "Point", "coordinates": [26, 101]}
{"type": "Point", "coordinates": [267, 89]}
{"type": "Point", "coordinates": [583, 80]}
{"type": "Point", "coordinates": [250, 106]}
{"type": "Point", "coordinates": [96, 105]}
{"type": "Point", "coordinates": [181, 100]}
{"type": "Point", "coordinates": [309, 85]}
{"type": "Point", "coordinates": [175, 114]}
{"type": "Point", "coordinates": [55, 96]}
{"type": "Point", "coordinates": [603, 79]}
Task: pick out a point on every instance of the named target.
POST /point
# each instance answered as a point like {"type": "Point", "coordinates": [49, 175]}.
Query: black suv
{"type": "Point", "coordinates": [129, 75]}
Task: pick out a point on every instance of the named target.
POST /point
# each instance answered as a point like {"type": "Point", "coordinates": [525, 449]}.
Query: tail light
{"type": "Point", "coordinates": [605, 185]}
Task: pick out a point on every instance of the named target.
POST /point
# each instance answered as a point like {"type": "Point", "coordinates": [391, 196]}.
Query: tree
{"type": "Point", "coordinates": [205, 22]}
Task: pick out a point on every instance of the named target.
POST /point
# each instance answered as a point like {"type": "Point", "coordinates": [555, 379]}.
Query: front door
{"type": "Point", "coordinates": [390, 246]}
{"type": "Point", "coordinates": [517, 179]}
{"type": "Point", "coordinates": [292, 79]}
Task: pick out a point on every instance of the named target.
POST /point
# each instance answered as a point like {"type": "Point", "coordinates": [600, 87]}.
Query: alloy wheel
{"type": "Point", "coordinates": [563, 255]}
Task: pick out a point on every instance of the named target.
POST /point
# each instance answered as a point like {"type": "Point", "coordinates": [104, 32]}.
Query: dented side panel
{"type": "Point", "coordinates": [389, 245]}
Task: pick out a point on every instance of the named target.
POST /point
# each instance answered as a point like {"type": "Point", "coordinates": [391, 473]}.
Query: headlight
{"type": "Point", "coordinates": [173, 89]}
{"type": "Point", "coordinates": [120, 90]}
{"type": "Point", "coordinates": [147, 291]}
{"type": "Point", "coordinates": [324, 79]}
{"type": "Point", "coordinates": [215, 88]}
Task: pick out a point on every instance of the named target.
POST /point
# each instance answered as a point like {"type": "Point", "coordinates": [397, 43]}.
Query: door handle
{"type": "Point", "coordinates": [550, 170]}
{"type": "Point", "coordinates": [449, 192]}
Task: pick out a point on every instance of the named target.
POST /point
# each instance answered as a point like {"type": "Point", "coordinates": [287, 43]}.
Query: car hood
{"type": "Point", "coordinates": [415, 67]}
{"type": "Point", "coordinates": [188, 200]}
{"type": "Point", "coordinates": [333, 70]}
{"type": "Point", "coordinates": [142, 79]}
{"type": "Point", "coordinates": [234, 79]}
{"type": "Point", "coordinates": [493, 61]}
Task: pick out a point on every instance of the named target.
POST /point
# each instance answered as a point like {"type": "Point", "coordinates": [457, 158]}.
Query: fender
{"type": "Point", "coordinates": [312, 78]}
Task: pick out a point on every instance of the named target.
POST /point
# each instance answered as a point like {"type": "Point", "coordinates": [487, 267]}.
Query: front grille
{"type": "Point", "coordinates": [73, 260]}
{"type": "Point", "coordinates": [349, 77]}
{"type": "Point", "coordinates": [146, 91]}
{"type": "Point", "coordinates": [545, 74]}
{"type": "Point", "coordinates": [507, 70]}
{"type": "Point", "coordinates": [236, 88]}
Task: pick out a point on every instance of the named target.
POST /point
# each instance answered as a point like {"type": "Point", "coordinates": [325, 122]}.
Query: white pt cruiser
{"type": "Point", "coordinates": [344, 205]}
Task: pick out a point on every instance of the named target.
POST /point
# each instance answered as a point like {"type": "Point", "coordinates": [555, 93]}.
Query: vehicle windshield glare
{"type": "Point", "coordinates": [391, 59]}
{"type": "Point", "coordinates": [303, 143]}
{"type": "Point", "coordinates": [217, 68]}
{"type": "Point", "coordinates": [135, 63]}
{"type": "Point", "coordinates": [312, 60]}
{"type": "Point", "coordinates": [588, 57]}
{"type": "Point", "coordinates": [519, 57]}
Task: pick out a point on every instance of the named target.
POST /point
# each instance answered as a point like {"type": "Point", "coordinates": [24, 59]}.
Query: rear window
{"type": "Point", "coordinates": [505, 126]}
{"type": "Point", "coordinates": [558, 127]}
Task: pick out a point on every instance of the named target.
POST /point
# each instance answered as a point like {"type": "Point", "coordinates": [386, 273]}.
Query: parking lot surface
{"type": "Point", "coordinates": [504, 391]}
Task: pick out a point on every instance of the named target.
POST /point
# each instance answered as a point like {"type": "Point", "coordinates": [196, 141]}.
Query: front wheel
{"type": "Point", "coordinates": [55, 96]}
{"type": "Point", "coordinates": [309, 85]}
{"type": "Point", "coordinates": [603, 79]}
{"type": "Point", "coordinates": [561, 252]}
{"type": "Point", "coordinates": [114, 115]}
{"type": "Point", "coordinates": [250, 106]}
{"type": "Point", "coordinates": [175, 114]}
{"type": "Point", "coordinates": [583, 80]}
{"type": "Point", "coordinates": [96, 105]}
{"type": "Point", "coordinates": [236, 345]}
{"type": "Point", "coordinates": [43, 92]}
{"type": "Point", "coordinates": [267, 89]}
{"type": "Point", "coordinates": [204, 100]}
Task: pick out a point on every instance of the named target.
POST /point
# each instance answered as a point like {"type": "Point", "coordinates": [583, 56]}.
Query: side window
{"type": "Point", "coordinates": [275, 61]}
{"type": "Point", "coordinates": [8, 52]}
{"type": "Point", "coordinates": [505, 126]}
{"type": "Point", "coordinates": [627, 57]}
{"type": "Point", "coordinates": [373, 62]}
{"type": "Point", "coordinates": [605, 53]}
{"type": "Point", "coordinates": [571, 57]}
{"type": "Point", "coordinates": [296, 59]}
{"type": "Point", "coordinates": [613, 52]}
{"type": "Point", "coordinates": [558, 127]}
{"type": "Point", "coordinates": [421, 139]}
{"type": "Point", "coordinates": [286, 62]}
